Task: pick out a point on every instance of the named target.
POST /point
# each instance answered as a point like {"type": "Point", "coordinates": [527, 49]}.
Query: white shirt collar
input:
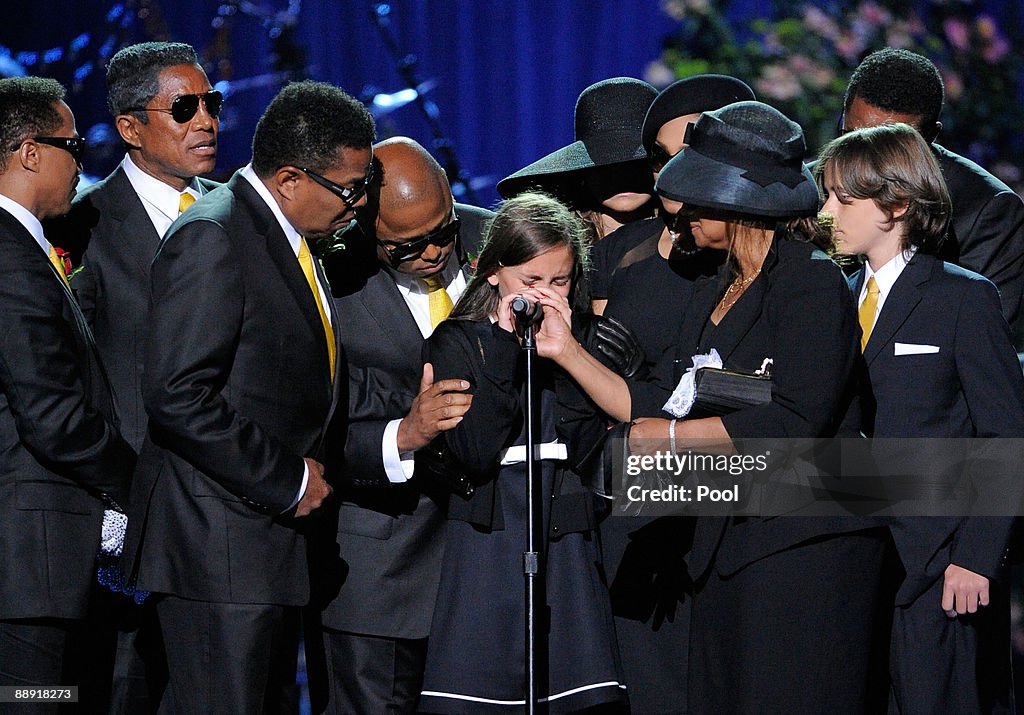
{"type": "Point", "coordinates": [887, 275]}
{"type": "Point", "coordinates": [27, 219]}
{"type": "Point", "coordinates": [160, 196]}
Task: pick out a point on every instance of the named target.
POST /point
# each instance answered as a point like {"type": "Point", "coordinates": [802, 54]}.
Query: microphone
{"type": "Point", "coordinates": [525, 312]}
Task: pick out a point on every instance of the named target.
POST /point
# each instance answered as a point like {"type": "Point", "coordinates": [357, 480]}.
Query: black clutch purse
{"type": "Point", "coordinates": [718, 391]}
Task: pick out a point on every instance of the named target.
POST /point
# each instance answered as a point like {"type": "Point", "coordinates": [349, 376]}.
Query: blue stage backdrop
{"type": "Point", "coordinates": [501, 78]}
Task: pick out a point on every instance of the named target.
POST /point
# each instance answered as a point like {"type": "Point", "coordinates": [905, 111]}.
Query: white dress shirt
{"type": "Point", "coordinates": [160, 200]}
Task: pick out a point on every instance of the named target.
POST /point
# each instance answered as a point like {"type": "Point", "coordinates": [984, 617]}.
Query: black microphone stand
{"type": "Point", "coordinates": [531, 559]}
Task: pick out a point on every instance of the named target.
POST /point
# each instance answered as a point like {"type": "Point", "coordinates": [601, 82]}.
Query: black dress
{"type": "Point", "coordinates": [476, 649]}
{"type": "Point", "coordinates": [645, 291]}
{"type": "Point", "coordinates": [644, 556]}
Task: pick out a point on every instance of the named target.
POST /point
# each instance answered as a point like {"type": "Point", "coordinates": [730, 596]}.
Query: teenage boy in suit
{"type": "Point", "coordinates": [986, 228]}
{"type": "Point", "coordinates": [941, 364]}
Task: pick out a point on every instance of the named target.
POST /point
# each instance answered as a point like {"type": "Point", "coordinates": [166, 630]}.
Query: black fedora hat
{"type": "Point", "coordinates": [609, 116]}
{"type": "Point", "coordinates": [692, 95]}
{"type": "Point", "coordinates": [746, 158]}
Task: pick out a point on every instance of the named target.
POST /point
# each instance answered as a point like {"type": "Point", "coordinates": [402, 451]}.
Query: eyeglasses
{"type": "Point", "coordinates": [75, 146]}
{"type": "Point", "coordinates": [658, 157]}
{"type": "Point", "coordinates": [414, 247]}
{"type": "Point", "coordinates": [185, 106]}
{"type": "Point", "coordinates": [349, 196]}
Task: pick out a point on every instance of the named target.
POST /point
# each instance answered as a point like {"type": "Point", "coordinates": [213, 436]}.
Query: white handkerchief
{"type": "Point", "coordinates": [915, 349]}
{"type": "Point", "coordinates": [681, 401]}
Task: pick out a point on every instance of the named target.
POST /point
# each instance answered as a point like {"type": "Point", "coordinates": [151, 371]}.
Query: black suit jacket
{"type": "Point", "coordinates": [986, 232]}
{"type": "Point", "coordinates": [389, 535]}
{"type": "Point", "coordinates": [799, 312]}
{"type": "Point", "coordinates": [970, 386]}
{"type": "Point", "coordinates": [238, 391]}
{"type": "Point", "coordinates": [60, 451]}
{"type": "Point", "coordinates": [109, 222]}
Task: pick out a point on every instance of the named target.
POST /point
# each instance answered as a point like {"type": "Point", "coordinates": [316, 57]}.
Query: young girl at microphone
{"type": "Point", "coordinates": [534, 249]}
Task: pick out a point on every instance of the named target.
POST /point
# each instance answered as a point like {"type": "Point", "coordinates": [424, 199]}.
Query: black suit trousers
{"type": "Point", "coordinates": [227, 657]}
{"type": "Point", "coordinates": [373, 675]}
{"type": "Point", "coordinates": [956, 665]}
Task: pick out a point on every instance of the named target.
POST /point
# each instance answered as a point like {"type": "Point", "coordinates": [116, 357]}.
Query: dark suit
{"type": "Point", "coordinates": [971, 386]}
{"type": "Point", "coordinates": [109, 222]}
{"type": "Point", "coordinates": [238, 391]}
{"type": "Point", "coordinates": [798, 312]}
{"type": "Point", "coordinates": [61, 451]}
{"type": "Point", "coordinates": [389, 535]}
{"type": "Point", "coordinates": [986, 233]}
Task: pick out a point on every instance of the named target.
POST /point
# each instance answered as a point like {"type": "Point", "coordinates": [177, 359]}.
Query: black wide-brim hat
{"type": "Point", "coordinates": [745, 158]}
{"type": "Point", "coordinates": [609, 117]}
{"type": "Point", "coordinates": [691, 95]}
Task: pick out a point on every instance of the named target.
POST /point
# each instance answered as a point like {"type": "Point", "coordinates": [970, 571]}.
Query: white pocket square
{"type": "Point", "coordinates": [914, 349]}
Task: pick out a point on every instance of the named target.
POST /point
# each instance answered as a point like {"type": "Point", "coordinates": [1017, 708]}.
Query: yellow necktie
{"type": "Point", "coordinates": [59, 265]}
{"type": "Point", "coordinates": [440, 301]}
{"type": "Point", "coordinates": [306, 261]}
{"type": "Point", "coordinates": [184, 201]}
{"type": "Point", "coordinates": [866, 315]}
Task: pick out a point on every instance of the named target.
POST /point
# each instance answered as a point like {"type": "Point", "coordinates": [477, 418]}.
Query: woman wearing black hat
{"type": "Point", "coordinates": [643, 276]}
{"type": "Point", "coordinates": [603, 174]}
{"type": "Point", "coordinates": [783, 607]}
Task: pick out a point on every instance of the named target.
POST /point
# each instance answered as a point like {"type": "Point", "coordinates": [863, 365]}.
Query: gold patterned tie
{"type": "Point", "coordinates": [866, 315]}
{"type": "Point", "coordinates": [440, 301]}
{"type": "Point", "coordinates": [59, 265]}
{"type": "Point", "coordinates": [184, 201]}
{"type": "Point", "coordinates": [306, 261]}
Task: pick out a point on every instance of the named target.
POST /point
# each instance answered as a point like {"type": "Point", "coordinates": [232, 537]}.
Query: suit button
{"type": "Point", "coordinates": [554, 529]}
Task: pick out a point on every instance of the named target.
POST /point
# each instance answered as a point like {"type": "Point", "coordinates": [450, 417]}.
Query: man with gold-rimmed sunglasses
{"type": "Point", "coordinates": [404, 264]}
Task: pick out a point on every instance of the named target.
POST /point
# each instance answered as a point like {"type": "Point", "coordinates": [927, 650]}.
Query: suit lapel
{"type": "Point", "coordinates": [745, 312]}
{"type": "Point", "coordinates": [385, 304]}
{"type": "Point", "coordinates": [696, 315]}
{"type": "Point", "coordinates": [899, 304]}
{"type": "Point", "coordinates": [134, 227]}
{"type": "Point", "coordinates": [284, 259]}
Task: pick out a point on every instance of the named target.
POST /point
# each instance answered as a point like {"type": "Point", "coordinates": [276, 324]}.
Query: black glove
{"type": "Point", "coordinates": [612, 343]}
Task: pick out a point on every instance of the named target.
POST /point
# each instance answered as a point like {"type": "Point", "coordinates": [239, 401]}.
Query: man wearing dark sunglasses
{"type": "Point", "coordinates": [411, 232]}
{"type": "Point", "coordinates": [63, 461]}
{"type": "Point", "coordinates": [119, 222]}
{"type": "Point", "coordinates": [243, 373]}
